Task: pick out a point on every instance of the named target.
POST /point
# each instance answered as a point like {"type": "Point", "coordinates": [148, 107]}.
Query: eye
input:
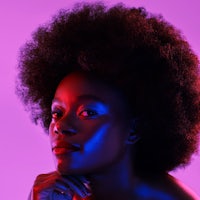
{"type": "Point", "coordinates": [88, 113]}
{"type": "Point", "coordinates": [56, 114]}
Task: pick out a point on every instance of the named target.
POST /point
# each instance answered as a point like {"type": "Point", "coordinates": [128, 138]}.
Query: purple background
{"type": "Point", "coordinates": [24, 148]}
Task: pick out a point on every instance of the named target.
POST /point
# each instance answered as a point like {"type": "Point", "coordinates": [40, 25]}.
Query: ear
{"type": "Point", "coordinates": [133, 137]}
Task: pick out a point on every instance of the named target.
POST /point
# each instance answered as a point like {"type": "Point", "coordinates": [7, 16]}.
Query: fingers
{"type": "Point", "coordinates": [62, 188]}
{"type": "Point", "coordinates": [78, 184]}
{"type": "Point", "coordinates": [47, 186]}
{"type": "Point", "coordinates": [59, 196]}
{"type": "Point", "coordinates": [53, 185]}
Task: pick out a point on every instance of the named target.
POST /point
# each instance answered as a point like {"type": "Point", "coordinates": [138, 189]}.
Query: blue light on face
{"type": "Point", "coordinates": [93, 153]}
{"type": "Point", "coordinates": [97, 142]}
{"type": "Point", "coordinates": [92, 110]}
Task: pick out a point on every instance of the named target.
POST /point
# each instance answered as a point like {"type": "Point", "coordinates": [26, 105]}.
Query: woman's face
{"type": "Point", "coordinates": [89, 126]}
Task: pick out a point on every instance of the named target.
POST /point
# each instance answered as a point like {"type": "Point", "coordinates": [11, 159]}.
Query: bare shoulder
{"type": "Point", "coordinates": [165, 187]}
{"type": "Point", "coordinates": [180, 190]}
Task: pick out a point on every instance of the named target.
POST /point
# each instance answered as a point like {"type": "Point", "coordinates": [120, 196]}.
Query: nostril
{"type": "Point", "coordinates": [58, 129]}
{"type": "Point", "coordinates": [68, 132]}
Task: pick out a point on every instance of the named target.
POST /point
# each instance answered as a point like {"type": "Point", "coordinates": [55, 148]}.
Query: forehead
{"type": "Point", "coordinates": [79, 82]}
{"type": "Point", "coordinates": [86, 85]}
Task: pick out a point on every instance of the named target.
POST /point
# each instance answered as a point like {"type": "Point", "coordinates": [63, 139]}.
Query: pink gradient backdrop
{"type": "Point", "coordinates": [24, 148]}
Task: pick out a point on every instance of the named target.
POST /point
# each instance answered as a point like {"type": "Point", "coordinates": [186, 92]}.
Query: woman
{"type": "Point", "coordinates": [117, 91]}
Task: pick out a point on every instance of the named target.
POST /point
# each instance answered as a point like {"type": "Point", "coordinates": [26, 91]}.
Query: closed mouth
{"type": "Point", "coordinates": [64, 148]}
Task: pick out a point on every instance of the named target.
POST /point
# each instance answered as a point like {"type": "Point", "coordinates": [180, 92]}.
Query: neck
{"type": "Point", "coordinates": [115, 182]}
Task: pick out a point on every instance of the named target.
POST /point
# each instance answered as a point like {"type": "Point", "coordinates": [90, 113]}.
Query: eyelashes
{"type": "Point", "coordinates": [83, 113]}
{"type": "Point", "coordinates": [88, 113]}
{"type": "Point", "coordinates": [56, 114]}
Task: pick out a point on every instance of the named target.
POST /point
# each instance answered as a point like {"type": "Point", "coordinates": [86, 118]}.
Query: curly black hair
{"type": "Point", "coordinates": [143, 54]}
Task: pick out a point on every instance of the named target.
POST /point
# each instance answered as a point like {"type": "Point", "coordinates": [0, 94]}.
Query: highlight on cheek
{"type": "Point", "coordinates": [98, 139]}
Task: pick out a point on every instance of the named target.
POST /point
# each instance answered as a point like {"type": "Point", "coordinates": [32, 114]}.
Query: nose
{"type": "Point", "coordinates": [67, 131]}
{"type": "Point", "coordinates": [63, 127]}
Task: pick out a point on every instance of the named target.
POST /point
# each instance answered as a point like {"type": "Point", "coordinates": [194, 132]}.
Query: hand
{"type": "Point", "coordinates": [54, 186]}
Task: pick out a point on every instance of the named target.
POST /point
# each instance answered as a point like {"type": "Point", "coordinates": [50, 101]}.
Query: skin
{"type": "Point", "coordinates": [94, 117]}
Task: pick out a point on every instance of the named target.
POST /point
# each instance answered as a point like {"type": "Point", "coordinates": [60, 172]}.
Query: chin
{"type": "Point", "coordinates": [62, 169]}
{"type": "Point", "coordinates": [67, 170]}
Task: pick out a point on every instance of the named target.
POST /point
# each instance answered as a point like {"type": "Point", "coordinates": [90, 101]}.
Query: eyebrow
{"type": "Point", "coordinates": [83, 97]}
{"type": "Point", "coordinates": [90, 97]}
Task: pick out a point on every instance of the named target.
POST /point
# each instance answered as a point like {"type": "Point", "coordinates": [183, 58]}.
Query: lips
{"type": "Point", "coordinates": [60, 148]}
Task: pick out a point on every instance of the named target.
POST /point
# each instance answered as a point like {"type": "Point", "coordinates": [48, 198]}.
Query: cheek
{"type": "Point", "coordinates": [98, 138]}
{"type": "Point", "coordinates": [105, 140]}
{"type": "Point", "coordinates": [51, 132]}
